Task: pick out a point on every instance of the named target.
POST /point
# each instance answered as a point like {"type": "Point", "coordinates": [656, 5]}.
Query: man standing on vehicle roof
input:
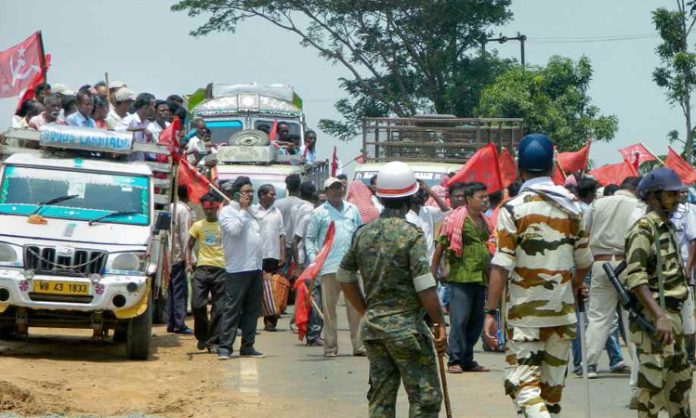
{"type": "Point", "coordinates": [390, 255]}
{"type": "Point", "coordinates": [541, 238]}
{"type": "Point", "coordinates": [655, 275]}
{"type": "Point", "coordinates": [177, 294]}
{"type": "Point", "coordinates": [346, 219]}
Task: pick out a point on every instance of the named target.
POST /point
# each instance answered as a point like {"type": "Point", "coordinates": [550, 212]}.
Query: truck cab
{"type": "Point", "coordinates": [82, 241]}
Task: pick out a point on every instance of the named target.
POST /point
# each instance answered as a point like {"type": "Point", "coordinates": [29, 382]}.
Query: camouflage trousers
{"type": "Point", "coordinates": [411, 360]}
{"type": "Point", "coordinates": [664, 375]}
{"type": "Point", "coordinates": [535, 370]}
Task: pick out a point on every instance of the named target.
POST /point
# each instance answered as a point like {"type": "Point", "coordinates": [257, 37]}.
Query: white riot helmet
{"type": "Point", "coordinates": [396, 180]}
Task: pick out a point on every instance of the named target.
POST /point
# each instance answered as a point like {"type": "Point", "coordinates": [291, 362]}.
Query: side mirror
{"type": "Point", "coordinates": [164, 222]}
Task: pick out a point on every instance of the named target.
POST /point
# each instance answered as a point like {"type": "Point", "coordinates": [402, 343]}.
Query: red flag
{"type": "Point", "coordinates": [360, 159]}
{"type": "Point", "coordinates": [636, 155]}
{"type": "Point", "coordinates": [572, 162]}
{"type": "Point", "coordinates": [508, 171]}
{"type": "Point", "coordinates": [196, 183]}
{"type": "Point", "coordinates": [614, 173]}
{"type": "Point", "coordinates": [273, 133]}
{"type": "Point", "coordinates": [558, 176]}
{"type": "Point", "coordinates": [19, 65]}
{"type": "Point", "coordinates": [168, 137]}
{"type": "Point", "coordinates": [38, 79]}
{"type": "Point", "coordinates": [334, 163]}
{"type": "Point", "coordinates": [686, 172]}
{"type": "Point", "coordinates": [482, 167]}
{"type": "Point", "coordinates": [302, 311]}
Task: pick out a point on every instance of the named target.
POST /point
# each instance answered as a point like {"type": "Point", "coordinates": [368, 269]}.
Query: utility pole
{"type": "Point", "coordinates": [502, 39]}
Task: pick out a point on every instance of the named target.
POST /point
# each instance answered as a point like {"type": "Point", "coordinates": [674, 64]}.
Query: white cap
{"type": "Point", "coordinates": [61, 88]}
{"type": "Point", "coordinates": [330, 182]}
{"type": "Point", "coordinates": [396, 179]}
{"type": "Point", "coordinates": [123, 94]}
{"type": "Point", "coordinates": [116, 84]}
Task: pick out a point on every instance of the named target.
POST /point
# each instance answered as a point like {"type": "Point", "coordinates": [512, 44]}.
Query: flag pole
{"type": "Point", "coordinates": [653, 154]}
{"type": "Point", "coordinates": [43, 57]}
{"type": "Point", "coordinates": [108, 87]}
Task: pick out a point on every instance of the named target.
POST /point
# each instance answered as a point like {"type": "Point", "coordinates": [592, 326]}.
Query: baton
{"type": "Point", "coordinates": [443, 379]}
{"type": "Point", "coordinates": [583, 355]}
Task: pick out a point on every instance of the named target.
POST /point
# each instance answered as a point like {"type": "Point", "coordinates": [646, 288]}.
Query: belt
{"type": "Point", "coordinates": [609, 257]}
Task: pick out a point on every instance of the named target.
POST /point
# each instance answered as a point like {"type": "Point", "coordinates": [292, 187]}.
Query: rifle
{"type": "Point", "coordinates": [627, 300]}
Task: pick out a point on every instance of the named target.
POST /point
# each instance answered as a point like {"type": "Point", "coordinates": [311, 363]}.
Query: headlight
{"type": "Point", "coordinates": [10, 255]}
{"type": "Point", "coordinates": [125, 263]}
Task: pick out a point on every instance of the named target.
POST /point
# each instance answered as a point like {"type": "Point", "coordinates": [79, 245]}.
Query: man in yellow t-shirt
{"type": "Point", "coordinates": [209, 275]}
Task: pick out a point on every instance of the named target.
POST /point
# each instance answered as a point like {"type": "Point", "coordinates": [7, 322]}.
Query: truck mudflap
{"type": "Point", "coordinates": [138, 308]}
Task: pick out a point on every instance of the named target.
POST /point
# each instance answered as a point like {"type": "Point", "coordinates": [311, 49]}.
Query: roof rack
{"type": "Point", "coordinates": [442, 138]}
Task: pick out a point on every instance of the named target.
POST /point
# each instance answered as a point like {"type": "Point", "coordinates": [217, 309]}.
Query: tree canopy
{"type": "Point", "coordinates": [404, 57]}
{"type": "Point", "coordinates": [552, 99]}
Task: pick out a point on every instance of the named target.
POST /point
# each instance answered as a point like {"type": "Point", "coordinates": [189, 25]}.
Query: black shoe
{"type": "Point", "coordinates": [202, 345]}
{"type": "Point", "coordinates": [249, 352]}
{"type": "Point", "coordinates": [270, 328]}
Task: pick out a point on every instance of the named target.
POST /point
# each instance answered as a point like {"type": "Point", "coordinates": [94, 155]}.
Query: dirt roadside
{"type": "Point", "coordinates": [66, 372]}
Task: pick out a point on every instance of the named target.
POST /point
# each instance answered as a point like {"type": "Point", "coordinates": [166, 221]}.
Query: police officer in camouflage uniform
{"type": "Point", "coordinates": [390, 255]}
{"type": "Point", "coordinates": [655, 276]}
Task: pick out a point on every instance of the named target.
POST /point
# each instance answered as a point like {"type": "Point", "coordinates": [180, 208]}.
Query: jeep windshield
{"type": "Point", "coordinates": [23, 189]}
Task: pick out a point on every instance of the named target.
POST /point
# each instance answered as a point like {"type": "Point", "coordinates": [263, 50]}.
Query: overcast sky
{"type": "Point", "coordinates": [145, 45]}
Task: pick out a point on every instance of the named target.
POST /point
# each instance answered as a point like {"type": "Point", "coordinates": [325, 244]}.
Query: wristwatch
{"type": "Point", "coordinates": [491, 311]}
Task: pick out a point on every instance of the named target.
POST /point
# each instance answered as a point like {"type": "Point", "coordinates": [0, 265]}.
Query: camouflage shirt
{"type": "Point", "coordinates": [642, 261]}
{"type": "Point", "coordinates": [540, 243]}
{"type": "Point", "coordinates": [391, 256]}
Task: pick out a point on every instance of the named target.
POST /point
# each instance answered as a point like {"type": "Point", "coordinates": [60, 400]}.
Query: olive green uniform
{"type": "Point", "coordinates": [390, 255]}
{"type": "Point", "coordinates": [664, 376]}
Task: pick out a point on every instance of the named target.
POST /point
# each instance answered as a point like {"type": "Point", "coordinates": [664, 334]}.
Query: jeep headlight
{"type": "Point", "coordinates": [126, 263]}
{"type": "Point", "coordinates": [10, 255]}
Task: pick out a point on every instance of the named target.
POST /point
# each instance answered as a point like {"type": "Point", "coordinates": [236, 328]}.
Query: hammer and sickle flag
{"type": "Point", "coordinates": [19, 65]}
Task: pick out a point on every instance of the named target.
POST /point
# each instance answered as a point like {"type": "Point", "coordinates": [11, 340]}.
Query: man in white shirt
{"type": "Point", "coordinates": [684, 220]}
{"type": "Point", "coordinates": [272, 236]}
{"type": "Point", "coordinates": [122, 101]}
{"type": "Point", "coordinates": [139, 121]}
{"type": "Point", "coordinates": [243, 280]}
{"type": "Point", "coordinates": [287, 207]}
{"type": "Point", "coordinates": [427, 217]}
{"type": "Point", "coordinates": [177, 294]}
{"type": "Point", "coordinates": [161, 120]}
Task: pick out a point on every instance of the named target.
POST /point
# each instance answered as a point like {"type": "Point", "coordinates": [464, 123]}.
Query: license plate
{"type": "Point", "coordinates": [61, 288]}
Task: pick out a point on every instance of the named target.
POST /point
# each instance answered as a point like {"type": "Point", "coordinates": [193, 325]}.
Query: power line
{"type": "Point", "coordinates": [592, 39]}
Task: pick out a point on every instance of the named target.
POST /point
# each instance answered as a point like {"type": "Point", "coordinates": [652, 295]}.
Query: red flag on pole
{"type": "Point", "coordinates": [636, 155]}
{"type": "Point", "coordinates": [38, 79]}
{"type": "Point", "coordinates": [614, 173]}
{"type": "Point", "coordinates": [686, 172]}
{"type": "Point", "coordinates": [482, 167]}
{"type": "Point", "coordinates": [572, 162]}
{"type": "Point", "coordinates": [558, 177]}
{"type": "Point", "coordinates": [334, 163]}
{"type": "Point", "coordinates": [19, 65]}
{"type": "Point", "coordinates": [196, 183]}
{"type": "Point", "coordinates": [360, 159]}
{"type": "Point", "coordinates": [302, 310]}
{"type": "Point", "coordinates": [508, 170]}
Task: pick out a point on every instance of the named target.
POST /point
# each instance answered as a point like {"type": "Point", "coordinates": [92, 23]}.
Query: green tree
{"type": "Point", "coordinates": [403, 57]}
{"type": "Point", "coordinates": [552, 100]}
{"type": "Point", "coordinates": [677, 73]}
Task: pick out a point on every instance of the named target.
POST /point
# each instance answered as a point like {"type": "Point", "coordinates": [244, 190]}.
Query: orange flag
{"type": "Point", "coordinates": [614, 173]}
{"type": "Point", "coordinates": [482, 167]}
{"type": "Point", "coordinates": [508, 170]}
{"type": "Point", "coordinates": [636, 155]}
{"type": "Point", "coordinates": [196, 183]}
{"type": "Point", "coordinates": [558, 177]}
{"type": "Point", "coordinates": [572, 162]}
{"type": "Point", "coordinates": [686, 172]}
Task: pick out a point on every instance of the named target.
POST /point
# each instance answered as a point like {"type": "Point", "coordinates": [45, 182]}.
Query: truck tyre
{"type": "Point", "coordinates": [139, 335]}
{"type": "Point", "coordinates": [249, 138]}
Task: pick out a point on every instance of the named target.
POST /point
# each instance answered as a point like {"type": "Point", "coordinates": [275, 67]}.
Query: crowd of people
{"type": "Point", "coordinates": [540, 244]}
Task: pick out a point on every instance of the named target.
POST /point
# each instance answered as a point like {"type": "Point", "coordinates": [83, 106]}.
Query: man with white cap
{"type": "Point", "coordinates": [115, 86]}
{"type": "Point", "coordinates": [346, 218]}
{"type": "Point", "coordinates": [390, 254]}
{"type": "Point", "coordinates": [122, 101]}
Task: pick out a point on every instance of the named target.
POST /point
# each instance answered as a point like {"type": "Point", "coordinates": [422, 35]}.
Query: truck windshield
{"type": "Point", "coordinates": [23, 189]}
{"type": "Point", "coordinates": [222, 130]}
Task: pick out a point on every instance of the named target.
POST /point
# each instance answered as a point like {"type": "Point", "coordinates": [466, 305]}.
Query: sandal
{"type": "Point", "coordinates": [455, 369]}
{"type": "Point", "coordinates": [477, 368]}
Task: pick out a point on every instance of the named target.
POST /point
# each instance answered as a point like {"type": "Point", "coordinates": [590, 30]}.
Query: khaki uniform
{"type": "Point", "coordinates": [664, 377]}
{"type": "Point", "coordinates": [390, 255]}
{"type": "Point", "coordinates": [539, 242]}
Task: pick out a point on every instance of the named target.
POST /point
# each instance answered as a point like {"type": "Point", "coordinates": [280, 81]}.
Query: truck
{"type": "Point", "coordinates": [84, 234]}
{"type": "Point", "coordinates": [434, 146]}
{"type": "Point", "coordinates": [239, 117]}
